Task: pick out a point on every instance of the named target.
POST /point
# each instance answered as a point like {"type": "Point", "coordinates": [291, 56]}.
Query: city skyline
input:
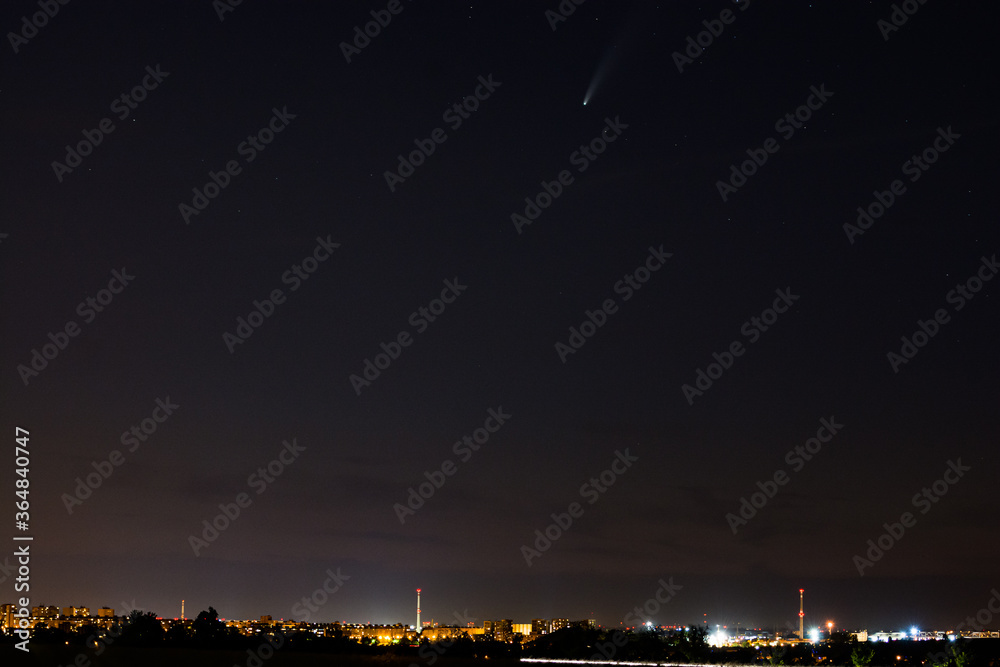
{"type": "Point", "coordinates": [81, 615]}
{"type": "Point", "coordinates": [313, 609]}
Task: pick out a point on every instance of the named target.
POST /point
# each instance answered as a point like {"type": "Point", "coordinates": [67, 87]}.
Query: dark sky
{"type": "Point", "coordinates": [853, 297]}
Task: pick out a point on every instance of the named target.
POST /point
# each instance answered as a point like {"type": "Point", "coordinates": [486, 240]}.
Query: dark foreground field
{"type": "Point", "coordinates": [978, 653]}
{"type": "Point", "coordinates": [54, 656]}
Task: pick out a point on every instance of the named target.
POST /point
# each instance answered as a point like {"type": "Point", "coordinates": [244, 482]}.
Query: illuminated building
{"type": "Point", "coordinates": [382, 634]}
{"type": "Point", "coordinates": [522, 628]}
{"type": "Point", "coordinates": [44, 612]}
{"type": "Point", "coordinates": [502, 630]}
{"type": "Point", "coordinates": [443, 632]}
{"type": "Point", "coordinates": [71, 612]}
{"type": "Point", "coordinates": [7, 616]}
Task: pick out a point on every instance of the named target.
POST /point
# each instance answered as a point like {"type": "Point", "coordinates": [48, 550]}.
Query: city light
{"type": "Point", "coordinates": [814, 635]}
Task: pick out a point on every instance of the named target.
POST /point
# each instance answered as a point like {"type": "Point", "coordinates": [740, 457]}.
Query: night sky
{"type": "Point", "coordinates": [308, 129]}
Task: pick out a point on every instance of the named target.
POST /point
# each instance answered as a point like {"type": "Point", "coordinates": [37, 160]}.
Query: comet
{"type": "Point", "coordinates": [595, 80]}
{"type": "Point", "coordinates": [622, 45]}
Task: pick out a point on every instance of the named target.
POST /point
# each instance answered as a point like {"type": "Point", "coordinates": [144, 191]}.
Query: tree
{"type": "Point", "coordinates": [960, 656]}
{"type": "Point", "coordinates": [208, 629]}
{"type": "Point", "coordinates": [861, 656]}
{"type": "Point", "coordinates": [177, 634]}
{"type": "Point", "coordinates": [692, 643]}
{"type": "Point", "coordinates": [142, 629]}
{"type": "Point", "coordinates": [775, 656]}
{"type": "Point", "coordinates": [45, 635]}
